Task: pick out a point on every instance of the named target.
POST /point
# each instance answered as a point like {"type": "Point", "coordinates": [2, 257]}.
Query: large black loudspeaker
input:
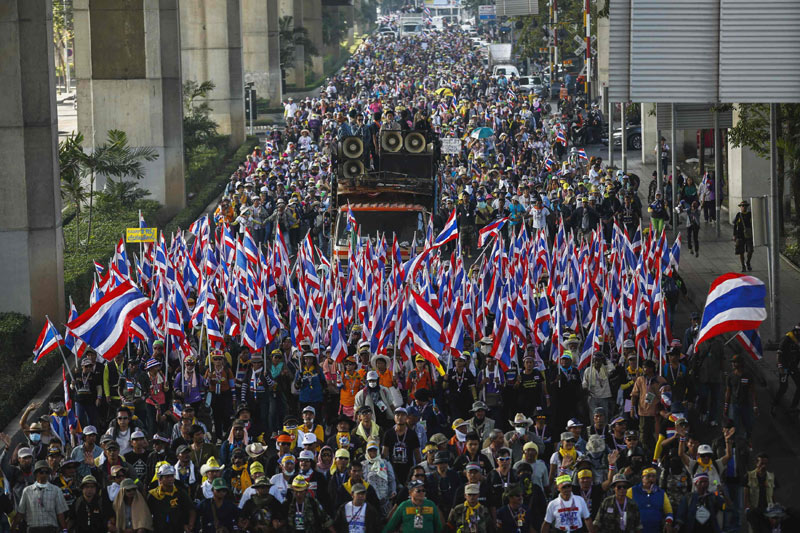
{"type": "Point", "coordinates": [391, 141]}
{"type": "Point", "coordinates": [406, 153]}
{"type": "Point", "coordinates": [351, 149]}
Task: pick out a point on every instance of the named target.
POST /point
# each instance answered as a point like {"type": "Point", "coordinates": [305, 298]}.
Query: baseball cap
{"type": "Point", "coordinates": [306, 455]}
{"type": "Point", "coordinates": [138, 434]}
{"type": "Point", "coordinates": [24, 452]}
{"type": "Point", "coordinates": [357, 488]}
{"type": "Point", "coordinates": [473, 466]}
{"type": "Point", "coordinates": [88, 430]}
{"type": "Point", "coordinates": [574, 423]}
{"type": "Point", "coordinates": [704, 449]}
{"type": "Point", "coordinates": [472, 488]}
{"type": "Point", "coordinates": [341, 452]}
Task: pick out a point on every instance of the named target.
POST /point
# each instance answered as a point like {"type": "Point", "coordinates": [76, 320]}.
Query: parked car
{"type": "Point", "coordinates": [634, 133]}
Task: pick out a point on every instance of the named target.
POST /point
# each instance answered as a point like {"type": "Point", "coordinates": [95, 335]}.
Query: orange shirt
{"type": "Point", "coordinates": [417, 380]}
{"type": "Point", "coordinates": [386, 379]}
{"type": "Point", "coordinates": [351, 384]}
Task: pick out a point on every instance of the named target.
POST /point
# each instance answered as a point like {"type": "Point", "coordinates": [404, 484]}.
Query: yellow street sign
{"type": "Point", "coordinates": [141, 235]}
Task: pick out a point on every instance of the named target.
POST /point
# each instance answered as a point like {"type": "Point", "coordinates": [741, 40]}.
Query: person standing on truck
{"type": "Point", "coordinates": [373, 141]}
{"type": "Point", "coordinates": [465, 211]}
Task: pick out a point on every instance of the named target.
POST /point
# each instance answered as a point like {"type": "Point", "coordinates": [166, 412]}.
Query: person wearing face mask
{"type": "Point", "coordinates": [281, 482]}
{"type": "Point", "coordinates": [697, 512]}
{"type": "Point", "coordinates": [483, 213]}
{"type": "Point", "coordinates": [378, 398]}
{"type": "Point", "coordinates": [37, 447]}
{"type": "Point", "coordinates": [42, 505]}
{"type": "Point", "coordinates": [457, 443]}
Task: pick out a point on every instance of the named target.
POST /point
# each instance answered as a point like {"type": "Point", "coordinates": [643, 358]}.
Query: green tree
{"type": "Point", "coordinates": [114, 158]}
{"type": "Point", "coordinates": [290, 37]}
{"type": "Point", "coordinates": [73, 190]}
{"type": "Point", "coordinates": [198, 127]}
{"type": "Point", "coordinates": [752, 130]}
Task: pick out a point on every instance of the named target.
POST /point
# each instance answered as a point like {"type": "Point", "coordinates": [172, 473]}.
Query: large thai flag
{"type": "Point", "coordinates": [582, 154]}
{"type": "Point", "coordinates": [491, 230]}
{"type": "Point", "coordinates": [735, 302]}
{"type": "Point", "coordinates": [426, 329]}
{"type": "Point", "coordinates": [751, 342]}
{"type": "Point", "coordinates": [104, 325]}
{"type": "Point", "coordinates": [449, 232]}
{"type": "Point", "coordinates": [49, 339]}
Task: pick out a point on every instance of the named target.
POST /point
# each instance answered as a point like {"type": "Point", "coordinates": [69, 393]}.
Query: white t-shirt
{"type": "Point", "coordinates": [567, 515]}
{"type": "Point", "coordinates": [355, 517]}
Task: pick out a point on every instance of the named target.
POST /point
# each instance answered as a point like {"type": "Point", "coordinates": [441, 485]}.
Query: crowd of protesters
{"type": "Point", "coordinates": [289, 440]}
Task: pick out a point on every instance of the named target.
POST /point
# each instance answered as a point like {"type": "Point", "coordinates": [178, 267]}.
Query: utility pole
{"type": "Point", "coordinates": [550, 42]}
{"type": "Point", "coordinates": [555, 39]}
{"type": "Point", "coordinates": [774, 226]}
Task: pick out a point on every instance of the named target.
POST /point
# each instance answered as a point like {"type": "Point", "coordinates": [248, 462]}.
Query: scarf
{"type": "Point", "coordinates": [141, 518]}
{"type": "Point", "coordinates": [275, 370]}
{"type": "Point", "coordinates": [376, 466]}
{"type": "Point", "coordinates": [322, 467]}
{"type": "Point", "coordinates": [192, 379]}
{"type": "Point", "coordinates": [470, 511]}
{"type": "Point", "coordinates": [568, 453]}
{"type": "Point", "coordinates": [192, 477]}
{"type": "Point", "coordinates": [373, 432]}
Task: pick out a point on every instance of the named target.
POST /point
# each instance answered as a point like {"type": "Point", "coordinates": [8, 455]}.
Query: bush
{"type": "Point", "coordinates": [13, 333]}
{"type": "Point", "coordinates": [211, 190]}
{"type": "Point", "coordinates": [204, 161]}
{"type": "Point", "coordinates": [108, 227]}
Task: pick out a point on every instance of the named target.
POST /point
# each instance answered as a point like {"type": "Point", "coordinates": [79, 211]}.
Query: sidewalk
{"type": "Point", "coordinates": [778, 436]}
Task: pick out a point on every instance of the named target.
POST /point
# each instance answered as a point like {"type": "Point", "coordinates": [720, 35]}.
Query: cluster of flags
{"type": "Point", "coordinates": [523, 290]}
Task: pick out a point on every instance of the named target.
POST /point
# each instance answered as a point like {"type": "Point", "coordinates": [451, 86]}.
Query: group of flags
{"type": "Point", "coordinates": [525, 289]}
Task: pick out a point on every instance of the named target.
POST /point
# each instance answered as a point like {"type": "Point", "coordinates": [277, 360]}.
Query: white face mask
{"type": "Point", "coordinates": [521, 431]}
{"type": "Point", "coordinates": [462, 437]}
{"type": "Point", "coordinates": [485, 349]}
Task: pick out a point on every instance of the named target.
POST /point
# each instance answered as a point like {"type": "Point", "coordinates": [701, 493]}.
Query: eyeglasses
{"type": "Point", "coordinates": [504, 458]}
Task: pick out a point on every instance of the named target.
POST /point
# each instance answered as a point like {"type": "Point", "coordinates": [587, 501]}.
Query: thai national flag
{"type": "Point", "coordinates": [338, 338]}
{"type": "Point", "coordinates": [511, 94]}
{"type": "Point", "coordinates": [735, 302]}
{"type": "Point", "coordinates": [142, 223]}
{"type": "Point", "coordinates": [561, 137]}
{"type": "Point", "coordinates": [426, 329]}
{"type": "Point", "coordinates": [99, 268]}
{"type": "Point", "coordinates": [751, 342]}
{"type": "Point", "coordinates": [104, 325]}
{"type": "Point", "coordinates": [491, 230]}
{"type": "Point", "coordinates": [449, 232]}
{"type": "Point", "coordinates": [121, 259]}
{"type": "Point", "coordinates": [71, 342]}
{"type": "Point", "coordinates": [351, 220]}
{"type": "Point", "coordinates": [49, 339]}
{"type": "Point", "coordinates": [582, 154]}
{"type": "Point", "coordinates": [549, 163]}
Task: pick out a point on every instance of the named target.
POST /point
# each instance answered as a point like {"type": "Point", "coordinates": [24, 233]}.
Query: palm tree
{"type": "Point", "coordinates": [114, 158]}
{"type": "Point", "coordinates": [73, 191]}
{"type": "Point", "coordinates": [291, 36]}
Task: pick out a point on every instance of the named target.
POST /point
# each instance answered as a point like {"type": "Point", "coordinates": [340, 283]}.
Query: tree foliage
{"type": "Point", "coordinates": [290, 37]}
{"type": "Point", "coordinates": [198, 127]}
{"type": "Point", "coordinates": [114, 158]}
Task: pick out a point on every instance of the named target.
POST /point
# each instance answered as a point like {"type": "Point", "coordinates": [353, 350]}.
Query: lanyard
{"type": "Point", "coordinates": [356, 515]}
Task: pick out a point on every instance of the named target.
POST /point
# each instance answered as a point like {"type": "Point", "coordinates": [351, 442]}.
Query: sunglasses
{"type": "Point", "coordinates": [123, 418]}
{"type": "Point", "coordinates": [504, 458]}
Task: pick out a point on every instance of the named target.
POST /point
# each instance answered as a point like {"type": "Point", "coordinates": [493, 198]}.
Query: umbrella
{"type": "Point", "coordinates": [444, 91]}
{"type": "Point", "coordinates": [481, 133]}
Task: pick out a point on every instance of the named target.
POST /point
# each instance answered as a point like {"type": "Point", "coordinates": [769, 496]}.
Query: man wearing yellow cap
{"type": "Point", "coordinates": [568, 511]}
{"type": "Point", "coordinates": [654, 506]}
{"type": "Point", "coordinates": [303, 511]}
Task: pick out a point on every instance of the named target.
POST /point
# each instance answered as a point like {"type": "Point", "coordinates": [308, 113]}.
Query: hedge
{"type": "Point", "coordinates": [205, 161]}
{"type": "Point", "coordinates": [211, 190]}
{"type": "Point", "coordinates": [18, 375]}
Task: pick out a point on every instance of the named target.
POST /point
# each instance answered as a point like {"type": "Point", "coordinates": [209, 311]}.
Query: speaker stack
{"type": "Point", "coordinates": [406, 153]}
{"type": "Point", "coordinates": [351, 152]}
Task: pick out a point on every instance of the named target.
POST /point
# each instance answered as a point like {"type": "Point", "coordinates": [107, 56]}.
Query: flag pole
{"type": "Point", "coordinates": [61, 351]}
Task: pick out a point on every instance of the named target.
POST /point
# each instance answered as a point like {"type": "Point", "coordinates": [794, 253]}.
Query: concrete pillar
{"type": "Point", "coordinates": [32, 269]}
{"type": "Point", "coordinates": [649, 130]}
{"type": "Point", "coordinates": [748, 174]}
{"type": "Point", "coordinates": [261, 48]}
{"type": "Point", "coordinates": [290, 8]}
{"type": "Point", "coordinates": [312, 21]}
{"type": "Point", "coordinates": [127, 63]}
{"type": "Point", "coordinates": [299, 49]}
{"type": "Point", "coordinates": [274, 89]}
{"type": "Point", "coordinates": [211, 50]}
